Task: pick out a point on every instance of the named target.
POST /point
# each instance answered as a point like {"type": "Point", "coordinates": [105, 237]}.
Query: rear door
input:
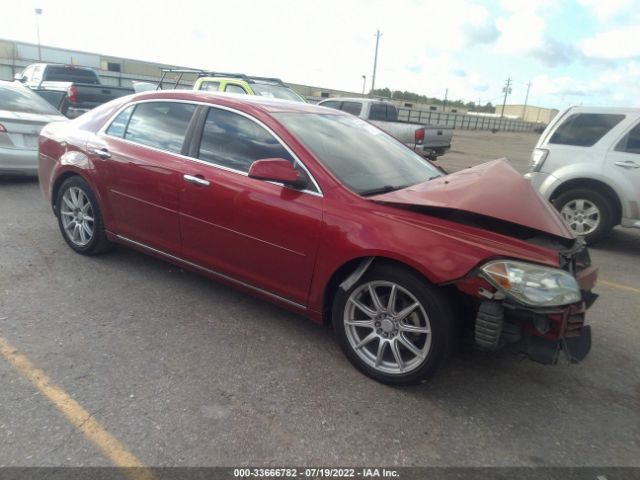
{"type": "Point", "coordinates": [139, 159]}
{"type": "Point", "coordinates": [623, 166]}
{"type": "Point", "coordinates": [258, 232]}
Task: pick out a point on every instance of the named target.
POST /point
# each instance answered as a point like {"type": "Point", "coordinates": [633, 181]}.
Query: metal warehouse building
{"type": "Point", "coordinates": [530, 113]}
{"type": "Point", "coordinates": [116, 71]}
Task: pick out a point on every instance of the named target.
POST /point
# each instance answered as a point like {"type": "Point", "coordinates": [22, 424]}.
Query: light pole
{"type": "Point", "coordinates": [38, 13]}
{"type": "Point", "coordinates": [364, 83]}
{"type": "Point", "coordinates": [375, 61]}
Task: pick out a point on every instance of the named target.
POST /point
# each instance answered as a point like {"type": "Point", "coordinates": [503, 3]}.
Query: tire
{"type": "Point", "coordinates": [431, 321]}
{"type": "Point", "coordinates": [79, 217]}
{"type": "Point", "coordinates": [575, 207]}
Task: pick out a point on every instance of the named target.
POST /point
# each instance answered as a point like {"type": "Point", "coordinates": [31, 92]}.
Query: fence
{"type": "Point", "coordinates": [467, 122]}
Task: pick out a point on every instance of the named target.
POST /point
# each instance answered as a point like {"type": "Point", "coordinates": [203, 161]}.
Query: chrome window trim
{"type": "Point", "coordinates": [212, 272]}
{"type": "Point", "coordinates": [102, 132]}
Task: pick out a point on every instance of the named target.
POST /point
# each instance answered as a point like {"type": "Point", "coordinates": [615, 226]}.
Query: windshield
{"type": "Point", "coordinates": [363, 157]}
{"type": "Point", "coordinates": [21, 99]}
{"type": "Point", "coordinates": [276, 91]}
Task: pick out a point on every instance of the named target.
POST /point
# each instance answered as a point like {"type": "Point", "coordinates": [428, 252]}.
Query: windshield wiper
{"type": "Point", "coordinates": [379, 190]}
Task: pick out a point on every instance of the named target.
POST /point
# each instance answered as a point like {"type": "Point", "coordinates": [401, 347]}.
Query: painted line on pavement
{"type": "Point", "coordinates": [80, 418]}
{"type": "Point", "coordinates": [619, 286]}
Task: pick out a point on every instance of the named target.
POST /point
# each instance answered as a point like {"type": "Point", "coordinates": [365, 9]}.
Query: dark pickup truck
{"type": "Point", "coordinates": [71, 89]}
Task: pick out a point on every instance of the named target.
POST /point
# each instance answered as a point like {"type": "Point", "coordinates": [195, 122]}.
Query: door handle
{"type": "Point", "coordinates": [101, 152]}
{"type": "Point", "coordinates": [627, 164]}
{"type": "Point", "coordinates": [196, 180]}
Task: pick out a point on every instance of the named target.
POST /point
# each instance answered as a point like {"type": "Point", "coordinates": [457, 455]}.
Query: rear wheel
{"type": "Point", "coordinates": [587, 212]}
{"type": "Point", "coordinates": [79, 217]}
{"type": "Point", "coordinates": [393, 325]}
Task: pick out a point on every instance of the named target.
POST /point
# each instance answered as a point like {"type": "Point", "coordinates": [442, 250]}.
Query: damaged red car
{"type": "Point", "coordinates": [325, 214]}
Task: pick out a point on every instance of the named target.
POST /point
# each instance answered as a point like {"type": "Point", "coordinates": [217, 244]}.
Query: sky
{"type": "Point", "coordinates": [571, 51]}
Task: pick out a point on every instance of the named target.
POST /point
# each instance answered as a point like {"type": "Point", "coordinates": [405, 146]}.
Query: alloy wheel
{"type": "Point", "coordinates": [387, 327]}
{"type": "Point", "coordinates": [77, 216]}
{"type": "Point", "coordinates": [582, 215]}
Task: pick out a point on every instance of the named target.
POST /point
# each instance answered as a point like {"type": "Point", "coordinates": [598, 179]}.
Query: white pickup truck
{"type": "Point", "coordinates": [428, 140]}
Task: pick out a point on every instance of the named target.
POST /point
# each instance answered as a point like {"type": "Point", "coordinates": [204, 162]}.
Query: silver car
{"type": "Point", "coordinates": [23, 113]}
{"type": "Point", "coordinates": [587, 162]}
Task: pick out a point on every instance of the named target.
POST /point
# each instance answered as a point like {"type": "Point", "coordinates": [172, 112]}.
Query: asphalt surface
{"type": "Point", "coordinates": [184, 371]}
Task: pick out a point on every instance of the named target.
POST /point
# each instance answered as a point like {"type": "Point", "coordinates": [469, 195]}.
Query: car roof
{"type": "Point", "coordinates": [613, 110]}
{"type": "Point", "coordinates": [268, 105]}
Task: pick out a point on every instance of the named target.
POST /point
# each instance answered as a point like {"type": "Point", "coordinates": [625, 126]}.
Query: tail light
{"type": "Point", "coordinates": [72, 94]}
{"type": "Point", "coordinates": [420, 136]}
{"type": "Point", "coordinates": [2, 128]}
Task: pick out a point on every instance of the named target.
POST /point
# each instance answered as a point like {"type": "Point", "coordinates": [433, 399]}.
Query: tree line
{"type": "Point", "coordinates": [417, 98]}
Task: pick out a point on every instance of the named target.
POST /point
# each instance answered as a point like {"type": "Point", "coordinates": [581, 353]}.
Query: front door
{"type": "Point", "coordinates": [261, 233]}
{"type": "Point", "coordinates": [623, 167]}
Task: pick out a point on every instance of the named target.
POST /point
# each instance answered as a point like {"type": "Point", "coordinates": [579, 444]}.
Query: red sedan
{"type": "Point", "coordinates": [323, 213]}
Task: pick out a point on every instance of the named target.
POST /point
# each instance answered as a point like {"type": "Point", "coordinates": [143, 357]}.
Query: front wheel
{"type": "Point", "coordinates": [79, 217]}
{"type": "Point", "coordinates": [393, 325]}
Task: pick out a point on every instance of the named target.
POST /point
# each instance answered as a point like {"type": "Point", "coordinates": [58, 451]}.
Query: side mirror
{"type": "Point", "coordinates": [18, 77]}
{"type": "Point", "coordinates": [277, 170]}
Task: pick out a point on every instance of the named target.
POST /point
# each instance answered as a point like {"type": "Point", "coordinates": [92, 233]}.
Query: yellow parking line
{"type": "Point", "coordinates": [618, 286]}
{"type": "Point", "coordinates": [119, 455]}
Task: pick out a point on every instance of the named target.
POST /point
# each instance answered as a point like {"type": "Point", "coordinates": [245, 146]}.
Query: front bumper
{"type": "Point", "coordinates": [540, 333]}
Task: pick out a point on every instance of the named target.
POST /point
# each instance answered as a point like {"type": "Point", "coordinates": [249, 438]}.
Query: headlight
{"type": "Point", "coordinates": [532, 284]}
{"type": "Point", "coordinates": [538, 156]}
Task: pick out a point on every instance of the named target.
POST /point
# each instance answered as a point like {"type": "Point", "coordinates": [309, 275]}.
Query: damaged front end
{"type": "Point", "coordinates": [532, 309]}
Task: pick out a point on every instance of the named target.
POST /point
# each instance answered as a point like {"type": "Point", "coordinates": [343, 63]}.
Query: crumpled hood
{"type": "Point", "coordinates": [493, 189]}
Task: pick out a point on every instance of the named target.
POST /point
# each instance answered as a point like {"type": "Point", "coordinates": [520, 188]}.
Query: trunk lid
{"type": "Point", "coordinates": [22, 128]}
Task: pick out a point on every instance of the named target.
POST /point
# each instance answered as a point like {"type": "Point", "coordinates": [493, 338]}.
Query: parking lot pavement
{"type": "Point", "coordinates": [185, 371]}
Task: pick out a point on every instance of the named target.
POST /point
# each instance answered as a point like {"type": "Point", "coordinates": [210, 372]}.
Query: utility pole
{"type": "Point", "coordinates": [375, 61]}
{"type": "Point", "coordinates": [526, 98]}
{"type": "Point", "coordinates": [38, 13]}
{"type": "Point", "coordinates": [364, 83]}
{"type": "Point", "coordinates": [507, 91]}
{"type": "Point", "coordinates": [444, 104]}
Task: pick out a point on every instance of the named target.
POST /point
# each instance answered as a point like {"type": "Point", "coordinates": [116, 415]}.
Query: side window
{"type": "Point", "coordinates": [354, 108]}
{"type": "Point", "coordinates": [630, 143]}
{"type": "Point", "coordinates": [378, 111]}
{"type": "Point", "coordinates": [584, 129]}
{"type": "Point", "coordinates": [392, 113]}
{"type": "Point", "coordinates": [234, 141]}
{"type": "Point", "coordinates": [160, 124]}
{"type": "Point", "coordinates": [119, 124]}
{"type": "Point", "coordinates": [331, 104]}
{"type": "Point", "coordinates": [231, 88]}
{"type": "Point", "coordinates": [211, 86]}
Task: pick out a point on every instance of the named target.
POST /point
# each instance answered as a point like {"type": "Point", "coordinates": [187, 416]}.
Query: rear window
{"type": "Point", "coordinates": [159, 124]}
{"type": "Point", "coordinates": [584, 129]}
{"type": "Point", "coordinates": [331, 104]}
{"type": "Point", "coordinates": [70, 74]}
{"type": "Point", "coordinates": [378, 111]}
{"type": "Point", "coordinates": [354, 108]}
{"type": "Point", "coordinates": [383, 111]}
{"type": "Point", "coordinates": [21, 99]}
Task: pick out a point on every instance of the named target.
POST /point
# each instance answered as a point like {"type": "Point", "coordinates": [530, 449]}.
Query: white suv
{"type": "Point", "coordinates": [587, 163]}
